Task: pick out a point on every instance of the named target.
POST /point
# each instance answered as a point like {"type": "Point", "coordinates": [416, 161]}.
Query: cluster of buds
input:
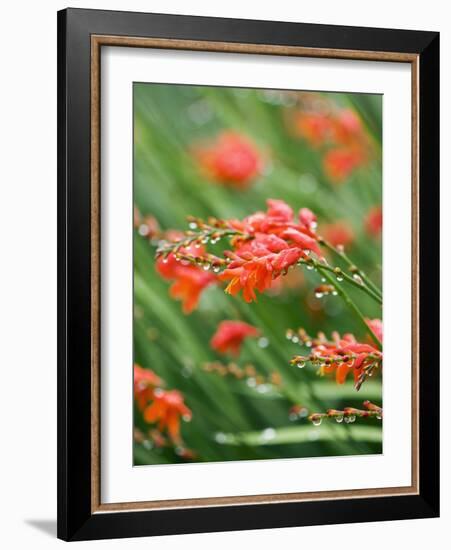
{"type": "Point", "coordinates": [200, 233]}
{"type": "Point", "coordinates": [248, 372]}
{"type": "Point", "coordinates": [348, 414]}
{"type": "Point", "coordinates": [340, 355]}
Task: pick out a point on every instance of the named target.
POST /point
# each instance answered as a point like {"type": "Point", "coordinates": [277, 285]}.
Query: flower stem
{"type": "Point", "coordinates": [345, 276]}
{"type": "Point", "coordinates": [368, 282]}
{"type": "Point", "coordinates": [351, 305]}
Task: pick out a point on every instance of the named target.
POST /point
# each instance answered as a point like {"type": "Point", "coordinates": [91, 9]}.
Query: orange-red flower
{"type": "Point", "coordinates": [189, 280]}
{"type": "Point", "coordinates": [232, 159]}
{"type": "Point", "coordinates": [277, 242]}
{"type": "Point", "coordinates": [339, 163]}
{"type": "Point", "coordinates": [347, 128]}
{"type": "Point", "coordinates": [338, 233]}
{"type": "Point", "coordinates": [166, 409]}
{"type": "Point", "coordinates": [341, 356]}
{"type": "Point", "coordinates": [230, 335]}
{"type": "Point", "coordinates": [373, 221]}
{"type": "Point", "coordinates": [145, 382]}
{"type": "Point", "coordinates": [376, 326]}
{"type": "Point", "coordinates": [314, 127]}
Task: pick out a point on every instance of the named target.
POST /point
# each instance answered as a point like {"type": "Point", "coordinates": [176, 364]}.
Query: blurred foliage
{"type": "Point", "coordinates": [231, 419]}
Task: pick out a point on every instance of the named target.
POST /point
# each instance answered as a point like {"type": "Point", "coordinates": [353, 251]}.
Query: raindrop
{"type": "Point", "coordinates": [268, 434]}
{"type": "Point", "coordinates": [293, 417]}
{"type": "Point", "coordinates": [339, 278]}
{"type": "Point", "coordinates": [295, 339]}
{"type": "Point", "coordinates": [323, 279]}
{"type": "Point", "coordinates": [357, 278]}
{"type": "Point", "coordinates": [187, 417]}
{"type": "Point", "coordinates": [263, 342]}
{"type": "Point", "coordinates": [351, 419]}
{"type": "Point", "coordinates": [347, 419]}
{"type": "Point", "coordinates": [300, 364]}
{"type": "Point", "coordinates": [334, 293]}
{"type": "Point", "coordinates": [205, 240]}
{"type": "Point", "coordinates": [289, 334]}
{"type": "Point", "coordinates": [339, 419]}
{"type": "Point", "coordinates": [206, 266]}
{"type": "Point", "coordinates": [251, 382]}
{"type": "Point", "coordinates": [379, 416]}
{"type": "Point", "coordinates": [310, 267]}
{"type": "Point", "coordinates": [143, 230]}
{"type": "Point", "coordinates": [193, 225]}
{"type": "Point", "coordinates": [317, 421]}
{"type": "Point", "coordinates": [319, 295]}
{"type": "Point", "coordinates": [308, 343]}
{"type": "Point", "coordinates": [263, 388]}
{"type": "Point", "coordinates": [216, 268]}
{"type": "Point", "coordinates": [165, 260]}
{"type": "Point", "coordinates": [220, 437]}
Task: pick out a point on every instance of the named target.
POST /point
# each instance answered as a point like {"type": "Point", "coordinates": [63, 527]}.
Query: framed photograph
{"type": "Point", "coordinates": [248, 274]}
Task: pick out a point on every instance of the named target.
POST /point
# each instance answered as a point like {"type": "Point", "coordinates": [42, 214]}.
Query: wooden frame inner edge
{"type": "Point", "coordinates": [108, 40]}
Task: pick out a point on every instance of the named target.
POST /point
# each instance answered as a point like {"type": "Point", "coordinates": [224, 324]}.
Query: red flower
{"type": "Point", "coordinates": [279, 242]}
{"type": "Point", "coordinates": [144, 383]}
{"type": "Point", "coordinates": [189, 280]}
{"type": "Point", "coordinates": [373, 221]}
{"type": "Point", "coordinates": [230, 335]}
{"type": "Point", "coordinates": [338, 233]}
{"type": "Point", "coordinates": [232, 159]}
{"type": "Point", "coordinates": [341, 356]}
{"type": "Point", "coordinates": [313, 127]}
{"type": "Point", "coordinates": [339, 163]}
{"type": "Point", "coordinates": [376, 326]}
{"type": "Point", "coordinates": [348, 127]}
{"type": "Point", "coordinates": [166, 409]}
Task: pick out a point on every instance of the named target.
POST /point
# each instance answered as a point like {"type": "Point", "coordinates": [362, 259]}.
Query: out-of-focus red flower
{"type": "Point", "coordinates": [373, 221]}
{"type": "Point", "coordinates": [338, 233]}
{"type": "Point", "coordinates": [314, 127]}
{"type": "Point", "coordinates": [230, 335]}
{"type": "Point", "coordinates": [189, 280]}
{"type": "Point", "coordinates": [231, 159]}
{"type": "Point", "coordinates": [144, 383]}
{"type": "Point", "coordinates": [347, 127]}
{"type": "Point", "coordinates": [166, 409]}
{"type": "Point", "coordinates": [376, 326]}
{"type": "Point", "coordinates": [339, 163]}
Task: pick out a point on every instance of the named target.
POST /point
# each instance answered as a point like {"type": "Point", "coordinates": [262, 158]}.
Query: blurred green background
{"type": "Point", "coordinates": [234, 419]}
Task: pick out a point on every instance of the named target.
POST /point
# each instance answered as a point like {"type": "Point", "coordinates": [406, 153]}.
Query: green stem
{"type": "Point", "coordinates": [368, 282]}
{"type": "Point", "coordinates": [345, 276]}
{"type": "Point", "coordinates": [351, 305]}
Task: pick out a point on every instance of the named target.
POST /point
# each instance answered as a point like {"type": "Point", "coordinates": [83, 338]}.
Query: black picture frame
{"type": "Point", "coordinates": [76, 519]}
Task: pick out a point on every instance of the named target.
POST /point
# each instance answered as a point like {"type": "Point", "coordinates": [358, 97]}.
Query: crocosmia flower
{"type": "Point", "coordinates": [232, 159]}
{"type": "Point", "coordinates": [145, 382]}
{"type": "Point", "coordinates": [339, 163]}
{"type": "Point", "coordinates": [166, 409]}
{"type": "Point", "coordinates": [188, 280]}
{"type": "Point", "coordinates": [314, 127]}
{"type": "Point", "coordinates": [373, 221]}
{"type": "Point", "coordinates": [278, 242]}
{"type": "Point", "coordinates": [230, 335]}
{"type": "Point", "coordinates": [338, 233]}
{"type": "Point", "coordinates": [341, 356]}
{"type": "Point", "coordinates": [376, 326]}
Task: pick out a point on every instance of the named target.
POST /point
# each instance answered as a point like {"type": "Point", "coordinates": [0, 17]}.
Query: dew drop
{"type": "Point", "coordinates": [220, 438]}
{"type": "Point", "coordinates": [339, 419]}
{"type": "Point", "coordinates": [300, 364]}
{"type": "Point", "coordinates": [351, 419]}
{"type": "Point", "coordinates": [268, 434]}
{"type": "Point", "coordinates": [339, 278]}
{"type": "Point", "coordinates": [263, 342]}
{"type": "Point", "coordinates": [317, 421]}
